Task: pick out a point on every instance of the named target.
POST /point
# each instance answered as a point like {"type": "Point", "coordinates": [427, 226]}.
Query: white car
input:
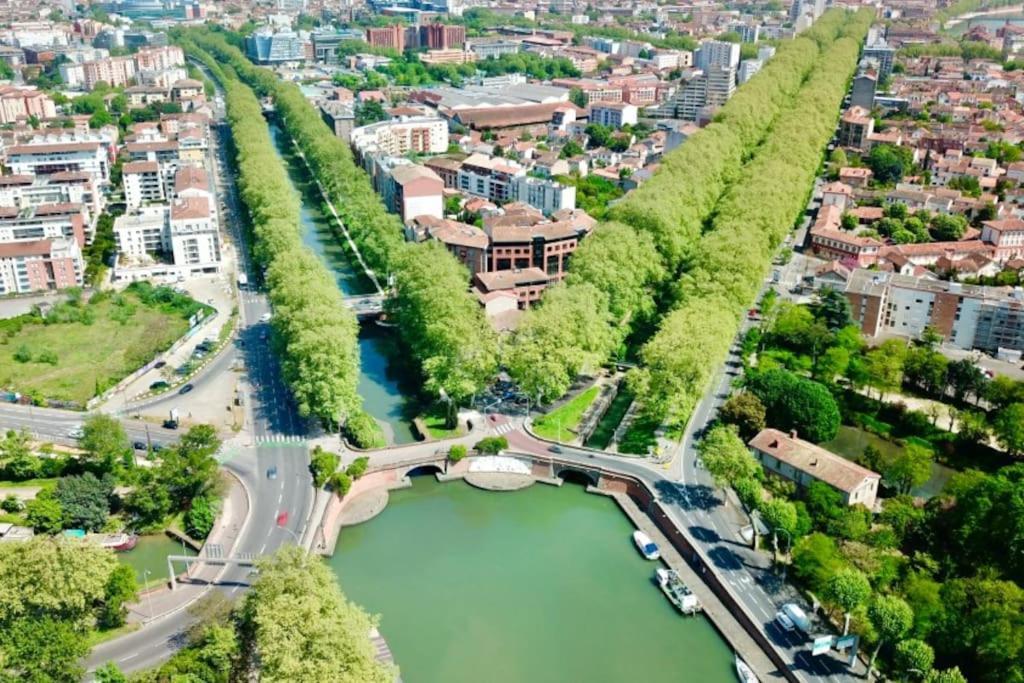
{"type": "Point", "coordinates": [76, 432]}
{"type": "Point", "coordinates": [785, 622]}
{"type": "Point", "coordinates": [265, 318]}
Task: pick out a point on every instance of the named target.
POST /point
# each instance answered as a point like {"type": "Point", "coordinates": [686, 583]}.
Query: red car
{"type": "Point", "coordinates": [753, 313]}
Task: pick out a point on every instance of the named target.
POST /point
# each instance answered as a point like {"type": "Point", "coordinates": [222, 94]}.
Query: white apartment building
{"type": "Point", "coordinates": [195, 241]}
{"type": "Point", "coordinates": [748, 67]}
{"type": "Point", "coordinates": [421, 134]}
{"type": "Point", "coordinates": [492, 179]}
{"type": "Point", "coordinates": [159, 58]}
{"type": "Point", "coordinates": [143, 184]}
{"type": "Point", "coordinates": [718, 53]}
{"type": "Point", "coordinates": [613, 114]}
{"type": "Point", "coordinates": [43, 157]}
{"type": "Point", "coordinates": [143, 233]}
{"type": "Point", "coordinates": [547, 195]}
{"type": "Point", "coordinates": [20, 103]}
{"type": "Point", "coordinates": [24, 191]}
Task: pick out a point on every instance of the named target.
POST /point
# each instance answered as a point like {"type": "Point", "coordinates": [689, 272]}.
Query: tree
{"type": "Point", "coordinates": [892, 618]}
{"type": "Point", "coordinates": [189, 469]}
{"type": "Point", "coordinates": [884, 366]}
{"type": "Point", "coordinates": [201, 515]}
{"type": "Point", "coordinates": [815, 559]}
{"type": "Point", "coordinates": [964, 377]}
{"type": "Point", "coordinates": [340, 483]}
{"type": "Point", "coordinates": [725, 456]}
{"type": "Point", "coordinates": [121, 588]}
{"type": "Point", "coordinates": [109, 673]}
{"type": "Point", "coordinates": [948, 228]}
{"type": "Point", "coordinates": [833, 308]}
{"type": "Point", "coordinates": [457, 452]}
{"type": "Point", "coordinates": [570, 149]}
{"type": "Point", "coordinates": [926, 369]}
{"type": "Point", "coordinates": [578, 97]}
{"type": "Point", "coordinates": [43, 649]}
{"type": "Point", "coordinates": [779, 515]}
{"type": "Point", "coordinates": [793, 402]}
{"type": "Point", "coordinates": [491, 445]}
{"type": "Point", "coordinates": [838, 158]}
{"type": "Point", "coordinates": [909, 469]}
{"type": "Point", "coordinates": [889, 163]}
{"type": "Point", "coordinates": [105, 442]}
{"type": "Point", "coordinates": [1009, 428]}
{"type": "Point", "coordinates": [982, 629]}
{"type": "Point", "coordinates": [746, 412]}
{"type": "Point", "coordinates": [913, 655]}
{"type": "Point", "coordinates": [369, 111]}
{"type": "Point", "coordinates": [85, 500]}
{"type": "Point", "coordinates": [847, 589]}
{"type": "Point", "coordinates": [945, 676]}
{"type": "Point", "coordinates": [972, 427]}
{"type": "Point", "coordinates": [296, 607]}
{"type": "Point", "coordinates": [322, 465]}
{"type": "Point", "coordinates": [44, 514]}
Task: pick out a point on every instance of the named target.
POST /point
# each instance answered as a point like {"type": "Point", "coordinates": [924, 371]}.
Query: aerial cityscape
{"type": "Point", "coordinates": [477, 340]}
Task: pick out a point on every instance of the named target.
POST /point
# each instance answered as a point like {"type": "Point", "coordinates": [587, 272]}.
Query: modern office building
{"type": "Point", "coordinates": [269, 47]}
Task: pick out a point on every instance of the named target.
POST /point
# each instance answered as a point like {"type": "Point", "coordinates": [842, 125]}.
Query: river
{"type": "Point", "coordinates": [379, 382]}
{"type": "Point", "coordinates": [542, 584]}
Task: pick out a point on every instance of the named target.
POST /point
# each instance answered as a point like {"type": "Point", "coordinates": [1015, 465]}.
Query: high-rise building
{"type": "Point", "coordinates": [883, 54]}
{"type": "Point", "coordinates": [718, 53]}
{"type": "Point", "coordinates": [267, 47]}
{"type": "Point", "coordinates": [720, 84]}
{"type": "Point", "coordinates": [442, 36]}
{"type": "Point", "coordinates": [388, 37]}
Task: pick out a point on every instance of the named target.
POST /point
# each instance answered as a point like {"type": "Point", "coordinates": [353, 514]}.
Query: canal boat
{"type": "Point", "coordinates": [647, 547]}
{"type": "Point", "coordinates": [677, 592]}
{"type": "Point", "coordinates": [119, 543]}
{"type": "Point", "coordinates": [745, 673]}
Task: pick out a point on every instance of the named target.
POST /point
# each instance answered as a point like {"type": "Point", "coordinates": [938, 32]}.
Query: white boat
{"type": "Point", "coordinates": [745, 673]}
{"type": "Point", "coordinates": [676, 591]}
{"type": "Point", "coordinates": [646, 546]}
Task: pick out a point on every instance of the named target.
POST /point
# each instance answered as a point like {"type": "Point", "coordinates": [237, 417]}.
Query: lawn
{"type": "Point", "coordinates": [560, 423]}
{"type": "Point", "coordinates": [434, 420]}
{"type": "Point", "coordinates": [605, 429]}
{"type": "Point", "coordinates": [81, 349]}
{"type": "Point", "coordinates": [640, 437]}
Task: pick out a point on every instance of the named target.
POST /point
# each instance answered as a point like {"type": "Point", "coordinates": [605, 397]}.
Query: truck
{"type": "Point", "coordinates": [243, 280]}
{"type": "Point", "coordinates": [791, 618]}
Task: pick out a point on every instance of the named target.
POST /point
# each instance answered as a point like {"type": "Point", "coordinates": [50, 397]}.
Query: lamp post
{"type": "Point", "coordinates": [149, 598]}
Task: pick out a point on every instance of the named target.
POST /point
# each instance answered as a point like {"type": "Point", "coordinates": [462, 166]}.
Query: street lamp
{"type": "Point", "coordinates": [149, 598]}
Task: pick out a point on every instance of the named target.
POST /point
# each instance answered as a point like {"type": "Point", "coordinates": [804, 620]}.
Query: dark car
{"type": "Point", "coordinates": [170, 424]}
{"type": "Point", "coordinates": [158, 385]}
{"type": "Point", "coordinates": [156, 448]}
{"type": "Point", "coordinates": [271, 473]}
{"type": "Point", "coordinates": [159, 364]}
{"type": "Point", "coordinates": [139, 445]}
{"type": "Point", "coordinates": [185, 389]}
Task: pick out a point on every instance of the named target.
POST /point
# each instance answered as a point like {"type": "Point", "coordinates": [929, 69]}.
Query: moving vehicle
{"type": "Point", "coordinates": [271, 473]}
{"type": "Point", "coordinates": [744, 672]}
{"type": "Point", "coordinates": [647, 547]}
{"type": "Point", "coordinates": [76, 432]}
{"type": "Point", "coordinates": [791, 618]}
{"type": "Point", "coordinates": [677, 592]}
{"type": "Point", "coordinates": [265, 318]}
{"type": "Point", "coordinates": [168, 424]}
{"type": "Point", "coordinates": [185, 389]}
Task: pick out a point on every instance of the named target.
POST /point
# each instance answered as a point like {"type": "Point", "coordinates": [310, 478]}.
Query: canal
{"type": "Point", "coordinates": [379, 382]}
{"type": "Point", "coordinates": [542, 584]}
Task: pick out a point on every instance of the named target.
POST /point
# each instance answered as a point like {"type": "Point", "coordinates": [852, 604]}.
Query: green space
{"type": "Point", "coordinates": [78, 349]}
{"type": "Point", "coordinates": [602, 435]}
{"type": "Point", "coordinates": [436, 422]}
{"type": "Point", "coordinates": [560, 424]}
{"type": "Point", "coordinates": [640, 438]}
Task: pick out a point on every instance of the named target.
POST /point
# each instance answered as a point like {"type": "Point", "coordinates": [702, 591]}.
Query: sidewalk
{"type": "Point", "coordinates": [161, 602]}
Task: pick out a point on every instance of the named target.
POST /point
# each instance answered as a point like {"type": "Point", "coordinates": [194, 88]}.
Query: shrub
{"type": "Point", "coordinates": [457, 452]}
{"type": "Point", "coordinates": [47, 356]}
{"type": "Point", "coordinates": [340, 483]}
{"type": "Point", "coordinates": [200, 517]}
{"type": "Point", "coordinates": [363, 431]}
{"type": "Point", "coordinates": [12, 504]}
{"type": "Point", "coordinates": [491, 445]}
{"type": "Point", "coordinates": [358, 467]}
{"type": "Point", "coordinates": [23, 354]}
{"type": "Point", "coordinates": [322, 464]}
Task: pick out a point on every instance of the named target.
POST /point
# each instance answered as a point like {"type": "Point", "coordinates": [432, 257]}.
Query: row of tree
{"type": "Point", "coordinates": [441, 325]}
{"type": "Point", "coordinates": [729, 261]}
{"type": "Point", "coordinates": [315, 334]}
{"type": "Point", "coordinates": [620, 268]}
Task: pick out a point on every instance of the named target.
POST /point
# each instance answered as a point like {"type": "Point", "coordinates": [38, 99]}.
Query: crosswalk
{"type": "Point", "coordinates": [290, 440]}
{"type": "Point", "coordinates": [504, 428]}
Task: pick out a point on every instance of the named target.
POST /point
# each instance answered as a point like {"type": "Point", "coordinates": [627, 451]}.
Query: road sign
{"type": "Point", "coordinates": [822, 644]}
{"type": "Point", "coordinates": [844, 642]}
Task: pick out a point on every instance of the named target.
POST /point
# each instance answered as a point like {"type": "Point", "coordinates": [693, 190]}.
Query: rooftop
{"type": "Point", "coordinates": [806, 457]}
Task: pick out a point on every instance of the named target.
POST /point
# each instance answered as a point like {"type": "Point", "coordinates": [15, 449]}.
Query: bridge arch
{"type": "Point", "coordinates": [424, 469]}
{"type": "Point", "coordinates": [570, 474]}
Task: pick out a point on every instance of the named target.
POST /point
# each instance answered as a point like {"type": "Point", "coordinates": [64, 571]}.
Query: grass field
{"type": "Point", "coordinates": [81, 349]}
{"type": "Point", "coordinates": [559, 424]}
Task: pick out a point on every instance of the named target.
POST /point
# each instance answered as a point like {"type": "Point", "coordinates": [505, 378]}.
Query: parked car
{"type": "Point", "coordinates": [159, 364]}
{"type": "Point", "coordinates": [169, 424]}
{"type": "Point", "coordinates": [271, 473]}
{"type": "Point", "coordinates": [158, 385]}
{"type": "Point", "coordinates": [76, 432]}
{"type": "Point", "coordinates": [139, 445]}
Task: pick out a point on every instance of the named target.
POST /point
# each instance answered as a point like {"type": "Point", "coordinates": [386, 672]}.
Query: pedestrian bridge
{"type": "Point", "coordinates": [366, 305]}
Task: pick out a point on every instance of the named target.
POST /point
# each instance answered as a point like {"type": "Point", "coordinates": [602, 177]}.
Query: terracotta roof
{"type": "Point", "coordinates": [190, 177]}
{"type": "Point", "coordinates": [55, 147]}
{"type": "Point", "coordinates": [1005, 225]}
{"type": "Point", "coordinates": [17, 179]}
{"type": "Point", "coordinates": [141, 167]}
{"type": "Point", "coordinates": [190, 207]}
{"type": "Point", "coordinates": [806, 457]}
{"type": "Point", "coordinates": [33, 248]}
{"type": "Point", "coordinates": [510, 279]}
{"type": "Point", "coordinates": [508, 116]}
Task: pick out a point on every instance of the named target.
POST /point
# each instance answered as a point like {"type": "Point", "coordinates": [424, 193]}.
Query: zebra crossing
{"type": "Point", "coordinates": [288, 440]}
{"type": "Point", "coordinates": [505, 428]}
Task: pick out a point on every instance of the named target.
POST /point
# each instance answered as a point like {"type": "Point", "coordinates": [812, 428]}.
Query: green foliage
{"type": "Point", "coordinates": [104, 441]}
{"type": "Point", "coordinates": [746, 411]}
{"type": "Point", "coordinates": [1009, 428]}
{"type": "Point", "coordinates": [793, 402]}
{"type": "Point", "coordinates": [322, 464]}
{"type": "Point", "coordinates": [296, 608]}
{"type": "Point", "coordinates": [363, 431]}
{"type": "Point", "coordinates": [889, 163]}
{"type": "Point", "coordinates": [200, 517]}
{"type": "Point", "coordinates": [913, 654]}
{"type": "Point", "coordinates": [44, 514]}
{"type": "Point", "coordinates": [815, 559]}
{"type": "Point", "coordinates": [121, 588]}
{"type": "Point", "coordinates": [491, 445]}
{"type": "Point", "coordinates": [340, 483]}
{"type": "Point", "coordinates": [84, 500]}
{"type": "Point", "coordinates": [457, 452]}
{"type": "Point", "coordinates": [358, 467]}
{"type": "Point", "coordinates": [725, 456]}
{"type": "Point", "coordinates": [909, 469]}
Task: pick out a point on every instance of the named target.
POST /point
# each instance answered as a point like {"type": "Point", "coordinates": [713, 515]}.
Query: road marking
{"type": "Point", "coordinates": [263, 548]}
{"type": "Point", "coordinates": [131, 656]}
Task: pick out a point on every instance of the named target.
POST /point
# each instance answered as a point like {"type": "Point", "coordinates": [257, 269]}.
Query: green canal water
{"type": "Point", "coordinates": [538, 585]}
{"type": "Point", "coordinates": [379, 382]}
{"type": "Point", "coordinates": [150, 553]}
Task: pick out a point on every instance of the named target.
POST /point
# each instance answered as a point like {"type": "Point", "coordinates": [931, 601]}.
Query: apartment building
{"type": "Point", "coordinates": [968, 316]}
{"type": "Point", "coordinates": [855, 127]}
{"type": "Point", "coordinates": [195, 241]}
{"type": "Point", "coordinates": [492, 179]}
{"type": "Point", "coordinates": [143, 184]}
{"type": "Point", "coordinates": [41, 157]}
{"type": "Point", "coordinates": [802, 462]}
{"type": "Point", "coordinates": [159, 58]}
{"type": "Point", "coordinates": [19, 103]}
{"type": "Point", "coordinates": [142, 232]}
{"type": "Point", "coordinates": [39, 265]}
{"type": "Point", "coordinates": [25, 191]}
{"type": "Point", "coordinates": [411, 190]}
{"type": "Point", "coordinates": [545, 194]}
{"type": "Point", "coordinates": [44, 222]}
{"type": "Point", "coordinates": [613, 114]}
{"type": "Point", "coordinates": [420, 134]}
{"type": "Point", "coordinates": [1006, 236]}
{"type": "Point", "coordinates": [717, 53]}
{"type": "Point", "coordinates": [442, 36]}
{"type": "Point", "coordinates": [520, 239]}
{"type": "Point", "coordinates": [114, 71]}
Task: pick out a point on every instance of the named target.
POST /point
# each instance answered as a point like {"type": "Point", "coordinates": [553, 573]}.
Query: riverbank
{"type": "Point", "coordinates": [1013, 9]}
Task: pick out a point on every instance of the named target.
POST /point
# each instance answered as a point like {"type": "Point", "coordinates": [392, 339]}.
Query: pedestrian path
{"type": "Point", "coordinates": [505, 428]}
{"type": "Point", "coordinates": [288, 440]}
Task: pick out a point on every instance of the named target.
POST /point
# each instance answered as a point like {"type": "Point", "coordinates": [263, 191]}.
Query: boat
{"type": "Point", "coordinates": [119, 543]}
{"type": "Point", "coordinates": [677, 592]}
{"type": "Point", "coordinates": [647, 547]}
{"type": "Point", "coordinates": [745, 673]}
